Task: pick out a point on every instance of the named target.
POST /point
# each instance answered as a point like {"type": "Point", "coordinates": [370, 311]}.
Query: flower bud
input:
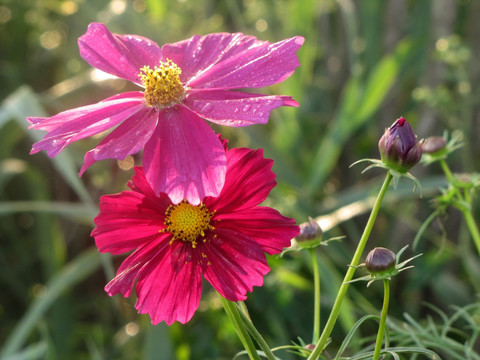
{"type": "Point", "coordinates": [434, 144]}
{"type": "Point", "coordinates": [399, 148]}
{"type": "Point", "coordinates": [310, 347]}
{"type": "Point", "coordinates": [380, 260]}
{"type": "Point", "coordinates": [309, 230]}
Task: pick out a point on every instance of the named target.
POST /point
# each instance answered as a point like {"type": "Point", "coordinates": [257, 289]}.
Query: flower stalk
{"type": "Point", "coordinates": [242, 332]}
{"type": "Point", "coordinates": [316, 303]}
{"type": "Point", "coordinates": [253, 331]}
{"type": "Point", "coordinates": [473, 228]}
{"type": "Point", "coordinates": [320, 345]}
{"type": "Point", "coordinates": [383, 319]}
{"type": "Point", "coordinates": [464, 198]}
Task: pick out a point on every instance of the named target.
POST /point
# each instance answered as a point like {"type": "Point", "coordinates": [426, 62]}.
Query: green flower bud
{"type": "Point", "coordinates": [380, 260]}
{"type": "Point", "coordinates": [399, 148]}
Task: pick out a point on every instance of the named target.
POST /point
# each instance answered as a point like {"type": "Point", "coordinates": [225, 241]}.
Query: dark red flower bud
{"type": "Point", "coordinates": [399, 148]}
{"type": "Point", "coordinates": [380, 260]}
{"type": "Point", "coordinates": [309, 230]}
{"type": "Point", "coordinates": [310, 347]}
{"type": "Point", "coordinates": [434, 144]}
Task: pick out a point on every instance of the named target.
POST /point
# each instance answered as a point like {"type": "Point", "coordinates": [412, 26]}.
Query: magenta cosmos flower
{"type": "Point", "coordinates": [183, 82]}
{"type": "Point", "coordinates": [224, 238]}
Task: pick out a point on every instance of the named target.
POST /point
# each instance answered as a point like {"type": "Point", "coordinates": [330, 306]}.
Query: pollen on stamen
{"type": "Point", "coordinates": [188, 222]}
{"type": "Point", "coordinates": [163, 87]}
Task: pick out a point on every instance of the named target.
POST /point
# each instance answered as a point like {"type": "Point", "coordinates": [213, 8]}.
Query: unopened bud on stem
{"type": "Point", "coordinates": [380, 260]}
{"type": "Point", "coordinates": [399, 148]}
{"type": "Point", "coordinates": [434, 144]}
{"type": "Point", "coordinates": [309, 230]}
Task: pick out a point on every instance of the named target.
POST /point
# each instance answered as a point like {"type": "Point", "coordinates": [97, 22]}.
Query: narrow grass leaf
{"type": "Point", "coordinates": [73, 273]}
{"type": "Point", "coordinates": [23, 103]}
{"type": "Point", "coordinates": [32, 352]}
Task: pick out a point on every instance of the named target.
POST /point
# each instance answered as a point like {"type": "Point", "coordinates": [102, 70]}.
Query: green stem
{"type": "Point", "coordinates": [467, 213]}
{"type": "Point", "coordinates": [351, 270]}
{"type": "Point", "coordinates": [472, 227]}
{"type": "Point", "coordinates": [255, 334]}
{"type": "Point", "coordinates": [447, 172]}
{"type": "Point", "coordinates": [234, 315]}
{"type": "Point", "coordinates": [316, 309]}
{"type": "Point", "coordinates": [383, 319]}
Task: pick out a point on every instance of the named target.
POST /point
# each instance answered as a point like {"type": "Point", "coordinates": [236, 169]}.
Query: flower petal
{"type": "Point", "coordinates": [170, 286]}
{"type": "Point", "coordinates": [194, 55]}
{"type": "Point", "coordinates": [128, 220]}
{"type": "Point", "coordinates": [140, 184]}
{"type": "Point", "coordinates": [184, 158]}
{"type": "Point", "coordinates": [248, 181]}
{"type": "Point", "coordinates": [235, 265]}
{"type": "Point", "coordinates": [234, 108]}
{"type": "Point", "coordinates": [128, 138]}
{"type": "Point", "coordinates": [119, 55]}
{"type": "Point", "coordinates": [130, 268]}
{"type": "Point", "coordinates": [75, 124]}
{"type": "Point", "coordinates": [247, 63]}
{"type": "Point", "coordinates": [267, 226]}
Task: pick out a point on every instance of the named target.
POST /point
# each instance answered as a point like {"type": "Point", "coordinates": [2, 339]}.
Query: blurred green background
{"type": "Point", "coordinates": [363, 65]}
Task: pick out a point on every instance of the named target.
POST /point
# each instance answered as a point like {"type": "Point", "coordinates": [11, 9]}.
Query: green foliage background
{"type": "Point", "coordinates": [364, 64]}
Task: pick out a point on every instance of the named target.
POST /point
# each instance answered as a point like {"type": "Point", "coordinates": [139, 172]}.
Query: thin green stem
{"type": "Point", "coordinates": [351, 270]}
{"type": "Point", "coordinates": [383, 319]}
{"type": "Point", "coordinates": [467, 213]}
{"type": "Point", "coordinates": [447, 172]}
{"type": "Point", "coordinates": [316, 309]}
{"type": "Point", "coordinates": [472, 227]}
{"type": "Point", "coordinates": [234, 315]}
{"type": "Point", "coordinates": [450, 178]}
{"type": "Point", "coordinates": [255, 334]}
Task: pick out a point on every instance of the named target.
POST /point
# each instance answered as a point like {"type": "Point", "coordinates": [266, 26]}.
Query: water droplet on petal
{"type": "Point", "coordinates": [207, 108]}
{"type": "Point", "coordinates": [247, 108]}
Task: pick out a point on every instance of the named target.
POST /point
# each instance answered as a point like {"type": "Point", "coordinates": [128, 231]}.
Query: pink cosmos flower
{"type": "Point", "coordinates": [224, 238]}
{"type": "Point", "coordinates": [183, 82]}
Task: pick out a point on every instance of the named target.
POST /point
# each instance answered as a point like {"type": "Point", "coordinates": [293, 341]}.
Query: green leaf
{"type": "Point", "coordinates": [360, 100]}
{"type": "Point", "coordinates": [23, 103]}
{"type": "Point", "coordinates": [73, 273]}
{"type": "Point", "coordinates": [77, 211]}
{"type": "Point", "coordinates": [382, 79]}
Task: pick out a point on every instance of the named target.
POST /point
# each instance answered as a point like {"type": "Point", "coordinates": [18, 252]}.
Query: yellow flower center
{"type": "Point", "coordinates": [162, 84]}
{"type": "Point", "coordinates": [188, 222]}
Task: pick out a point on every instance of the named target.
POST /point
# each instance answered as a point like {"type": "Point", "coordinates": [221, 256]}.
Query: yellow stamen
{"type": "Point", "coordinates": [163, 87]}
{"type": "Point", "coordinates": [188, 222]}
